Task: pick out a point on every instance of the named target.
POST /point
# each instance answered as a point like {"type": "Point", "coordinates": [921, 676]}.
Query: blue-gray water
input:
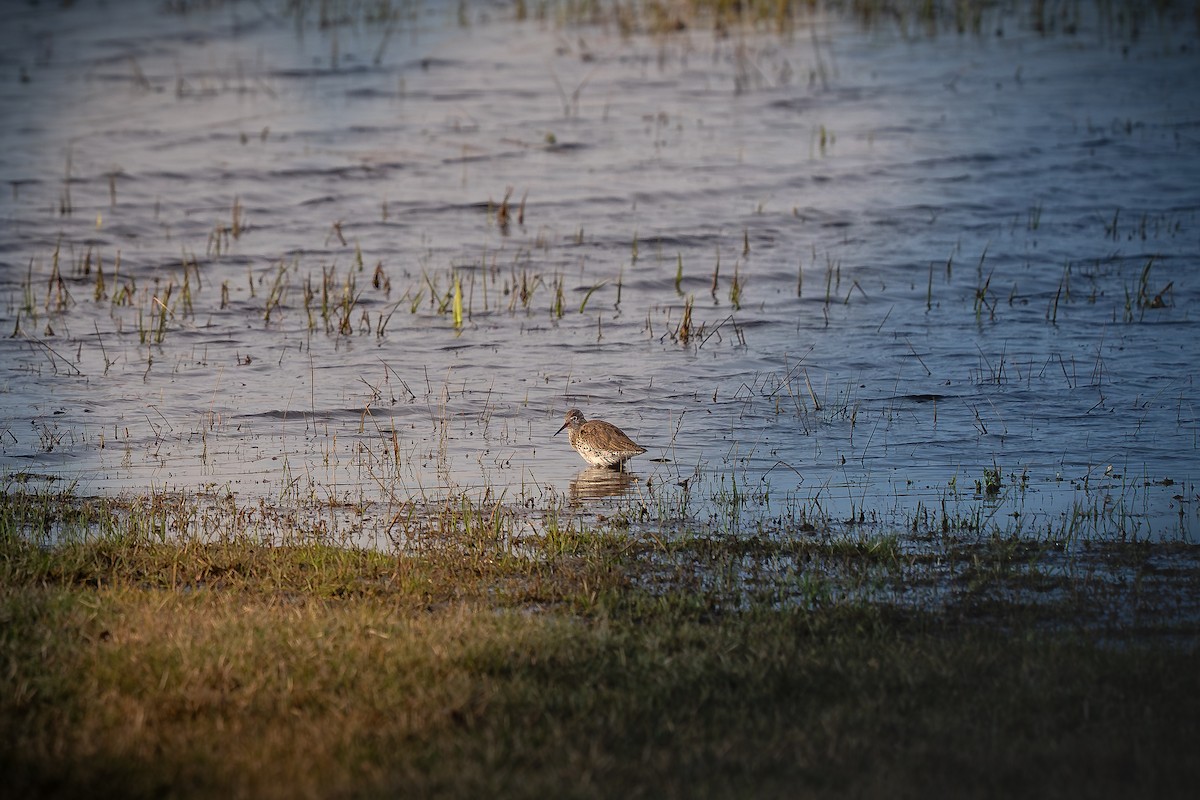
{"type": "Point", "coordinates": [913, 257]}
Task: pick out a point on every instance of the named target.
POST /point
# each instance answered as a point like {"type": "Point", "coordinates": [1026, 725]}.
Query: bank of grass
{"type": "Point", "coordinates": [135, 665]}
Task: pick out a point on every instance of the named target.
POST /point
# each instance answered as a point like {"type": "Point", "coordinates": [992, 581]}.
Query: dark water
{"type": "Point", "coordinates": [918, 262]}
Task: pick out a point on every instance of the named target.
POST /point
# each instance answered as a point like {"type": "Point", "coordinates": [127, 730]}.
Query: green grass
{"type": "Point", "coordinates": [588, 663]}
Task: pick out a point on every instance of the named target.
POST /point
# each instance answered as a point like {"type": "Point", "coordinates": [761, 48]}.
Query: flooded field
{"type": "Point", "coordinates": [825, 269]}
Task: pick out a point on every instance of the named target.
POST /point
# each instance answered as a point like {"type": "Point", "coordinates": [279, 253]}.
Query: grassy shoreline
{"type": "Point", "coordinates": [137, 666]}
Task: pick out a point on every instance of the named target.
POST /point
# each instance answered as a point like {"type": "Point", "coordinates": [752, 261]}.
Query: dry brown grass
{"type": "Point", "coordinates": [584, 667]}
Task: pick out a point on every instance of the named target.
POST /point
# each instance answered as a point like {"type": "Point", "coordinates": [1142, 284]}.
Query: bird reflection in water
{"type": "Point", "coordinates": [596, 482]}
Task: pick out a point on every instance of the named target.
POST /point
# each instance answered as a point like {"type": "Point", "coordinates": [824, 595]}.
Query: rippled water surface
{"type": "Point", "coordinates": [878, 272]}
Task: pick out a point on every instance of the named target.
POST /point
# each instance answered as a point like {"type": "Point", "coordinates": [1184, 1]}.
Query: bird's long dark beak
{"type": "Point", "coordinates": [563, 428]}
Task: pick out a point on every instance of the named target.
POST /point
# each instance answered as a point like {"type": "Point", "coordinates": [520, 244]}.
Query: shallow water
{"type": "Point", "coordinates": [913, 257]}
